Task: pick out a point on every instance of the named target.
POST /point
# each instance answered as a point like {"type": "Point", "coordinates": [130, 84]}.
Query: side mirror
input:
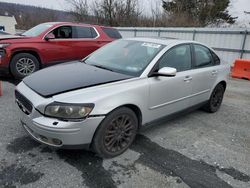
{"type": "Point", "coordinates": [50, 36]}
{"type": "Point", "coordinates": [166, 71]}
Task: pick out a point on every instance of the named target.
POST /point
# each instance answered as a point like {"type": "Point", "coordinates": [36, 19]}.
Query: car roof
{"type": "Point", "coordinates": [75, 23]}
{"type": "Point", "coordinates": [163, 41]}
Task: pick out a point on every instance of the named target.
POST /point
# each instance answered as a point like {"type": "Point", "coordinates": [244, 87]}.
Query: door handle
{"type": "Point", "coordinates": [214, 72]}
{"type": "Point", "coordinates": [188, 78]}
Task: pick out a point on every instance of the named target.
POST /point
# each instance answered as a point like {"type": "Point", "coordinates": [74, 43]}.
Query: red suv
{"type": "Point", "coordinates": [50, 43]}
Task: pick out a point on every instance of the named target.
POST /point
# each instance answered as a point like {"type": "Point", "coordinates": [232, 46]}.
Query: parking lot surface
{"type": "Point", "coordinates": [194, 150]}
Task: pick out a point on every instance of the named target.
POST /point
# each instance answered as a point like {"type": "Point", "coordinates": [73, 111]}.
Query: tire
{"type": "Point", "coordinates": [215, 100]}
{"type": "Point", "coordinates": [23, 64]}
{"type": "Point", "coordinates": [116, 133]}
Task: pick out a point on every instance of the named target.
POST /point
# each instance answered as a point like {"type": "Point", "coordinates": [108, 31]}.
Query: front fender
{"type": "Point", "coordinates": [111, 96]}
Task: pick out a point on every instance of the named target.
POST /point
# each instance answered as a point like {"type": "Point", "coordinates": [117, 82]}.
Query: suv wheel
{"type": "Point", "coordinates": [116, 133]}
{"type": "Point", "coordinates": [215, 100]}
{"type": "Point", "coordinates": [23, 64]}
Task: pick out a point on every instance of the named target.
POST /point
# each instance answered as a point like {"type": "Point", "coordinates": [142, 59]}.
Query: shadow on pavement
{"type": "Point", "coordinates": [10, 79]}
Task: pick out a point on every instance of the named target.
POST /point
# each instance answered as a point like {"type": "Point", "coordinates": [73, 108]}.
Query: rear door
{"type": "Point", "coordinates": [171, 94]}
{"type": "Point", "coordinates": [86, 41]}
{"type": "Point", "coordinates": [204, 73]}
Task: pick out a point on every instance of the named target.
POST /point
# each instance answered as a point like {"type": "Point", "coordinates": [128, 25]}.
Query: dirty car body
{"type": "Point", "coordinates": [150, 78]}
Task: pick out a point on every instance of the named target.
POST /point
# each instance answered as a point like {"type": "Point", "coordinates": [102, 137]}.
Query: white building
{"type": "Point", "coordinates": [8, 24]}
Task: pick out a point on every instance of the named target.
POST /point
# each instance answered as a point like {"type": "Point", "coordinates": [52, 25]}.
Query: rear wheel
{"type": "Point", "coordinates": [116, 133]}
{"type": "Point", "coordinates": [215, 100]}
{"type": "Point", "coordinates": [23, 64]}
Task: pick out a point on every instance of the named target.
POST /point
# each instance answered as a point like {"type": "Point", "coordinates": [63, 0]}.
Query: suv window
{"type": "Point", "coordinates": [85, 32]}
{"type": "Point", "coordinates": [63, 32]}
{"type": "Point", "coordinates": [112, 33]}
{"type": "Point", "coordinates": [178, 57]}
{"type": "Point", "coordinates": [202, 56]}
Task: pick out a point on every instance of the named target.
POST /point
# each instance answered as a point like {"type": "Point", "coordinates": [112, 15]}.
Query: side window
{"type": "Point", "coordinates": [112, 33]}
{"type": "Point", "coordinates": [84, 32]}
{"type": "Point", "coordinates": [202, 56]}
{"type": "Point", "coordinates": [63, 32]}
{"type": "Point", "coordinates": [215, 58]}
{"type": "Point", "coordinates": [178, 57]}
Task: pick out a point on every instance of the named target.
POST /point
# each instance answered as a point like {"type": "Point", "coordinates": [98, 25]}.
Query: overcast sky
{"type": "Point", "coordinates": [53, 4]}
{"type": "Point", "coordinates": [237, 7]}
{"type": "Point", "coordinates": [63, 5]}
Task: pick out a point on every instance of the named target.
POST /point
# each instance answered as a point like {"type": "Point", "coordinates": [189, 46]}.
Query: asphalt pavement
{"type": "Point", "coordinates": [194, 150]}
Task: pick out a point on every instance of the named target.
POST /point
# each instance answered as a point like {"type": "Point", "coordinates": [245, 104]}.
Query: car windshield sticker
{"type": "Point", "coordinates": [151, 45]}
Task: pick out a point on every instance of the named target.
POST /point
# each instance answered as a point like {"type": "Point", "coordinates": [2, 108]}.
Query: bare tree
{"type": "Point", "coordinates": [80, 9]}
{"type": "Point", "coordinates": [132, 12]}
{"type": "Point", "coordinates": [116, 12]}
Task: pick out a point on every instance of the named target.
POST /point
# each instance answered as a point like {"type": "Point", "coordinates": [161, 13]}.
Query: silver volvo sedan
{"type": "Point", "coordinates": [101, 102]}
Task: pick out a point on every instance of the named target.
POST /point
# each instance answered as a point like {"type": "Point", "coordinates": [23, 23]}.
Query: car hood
{"type": "Point", "coordinates": [5, 37]}
{"type": "Point", "coordinates": [14, 38]}
{"type": "Point", "coordinates": [68, 77]}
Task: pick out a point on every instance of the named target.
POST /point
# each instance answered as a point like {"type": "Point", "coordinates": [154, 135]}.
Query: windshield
{"type": "Point", "coordinates": [125, 56]}
{"type": "Point", "coordinates": [37, 30]}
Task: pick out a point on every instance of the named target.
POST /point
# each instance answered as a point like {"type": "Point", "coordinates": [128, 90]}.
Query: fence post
{"type": "Point", "coordinates": [194, 32]}
{"type": "Point", "coordinates": [159, 33]}
{"type": "Point", "coordinates": [243, 44]}
{"type": "Point", "coordinates": [135, 33]}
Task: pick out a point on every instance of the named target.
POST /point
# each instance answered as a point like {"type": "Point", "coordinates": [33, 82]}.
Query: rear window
{"type": "Point", "coordinates": [112, 33]}
{"type": "Point", "coordinates": [85, 32]}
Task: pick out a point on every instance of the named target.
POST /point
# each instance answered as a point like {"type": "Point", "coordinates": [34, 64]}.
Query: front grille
{"type": "Point", "coordinates": [24, 104]}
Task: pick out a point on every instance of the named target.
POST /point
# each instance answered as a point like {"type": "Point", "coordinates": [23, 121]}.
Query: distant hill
{"type": "Point", "coordinates": [29, 16]}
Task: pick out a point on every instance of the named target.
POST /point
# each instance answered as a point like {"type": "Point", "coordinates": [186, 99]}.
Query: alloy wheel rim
{"type": "Point", "coordinates": [25, 66]}
{"type": "Point", "coordinates": [119, 134]}
{"type": "Point", "coordinates": [217, 98]}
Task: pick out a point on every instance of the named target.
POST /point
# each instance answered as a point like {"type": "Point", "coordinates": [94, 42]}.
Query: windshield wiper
{"type": "Point", "coordinates": [102, 67]}
{"type": "Point", "coordinates": [19, 34]}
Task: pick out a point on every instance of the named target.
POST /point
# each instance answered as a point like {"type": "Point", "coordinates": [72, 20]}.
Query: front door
{"type": "Point", "coordinates": [60, 49]}
{"type": "Point", "coordinates": [171, 94]}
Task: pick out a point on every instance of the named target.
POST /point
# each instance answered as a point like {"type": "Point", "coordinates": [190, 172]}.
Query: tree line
{"type": "Point", "coordinates": [128, 13]}
{"type": "Point", "coordinates": [186, 13]}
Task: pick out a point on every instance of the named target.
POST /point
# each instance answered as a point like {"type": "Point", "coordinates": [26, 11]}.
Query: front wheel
{"type": "Point", "coordinates": [215, 100]}
{"type": "Point", "coordinates": [116, 133]}
{"type": "Point", "coordinates": [23, 64]}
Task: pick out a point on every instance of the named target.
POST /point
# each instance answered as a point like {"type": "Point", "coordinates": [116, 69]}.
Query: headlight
{"type": "Point", "coordinates": [3, 45]}
{"type": "Point", "coordinates": [68, 111]}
